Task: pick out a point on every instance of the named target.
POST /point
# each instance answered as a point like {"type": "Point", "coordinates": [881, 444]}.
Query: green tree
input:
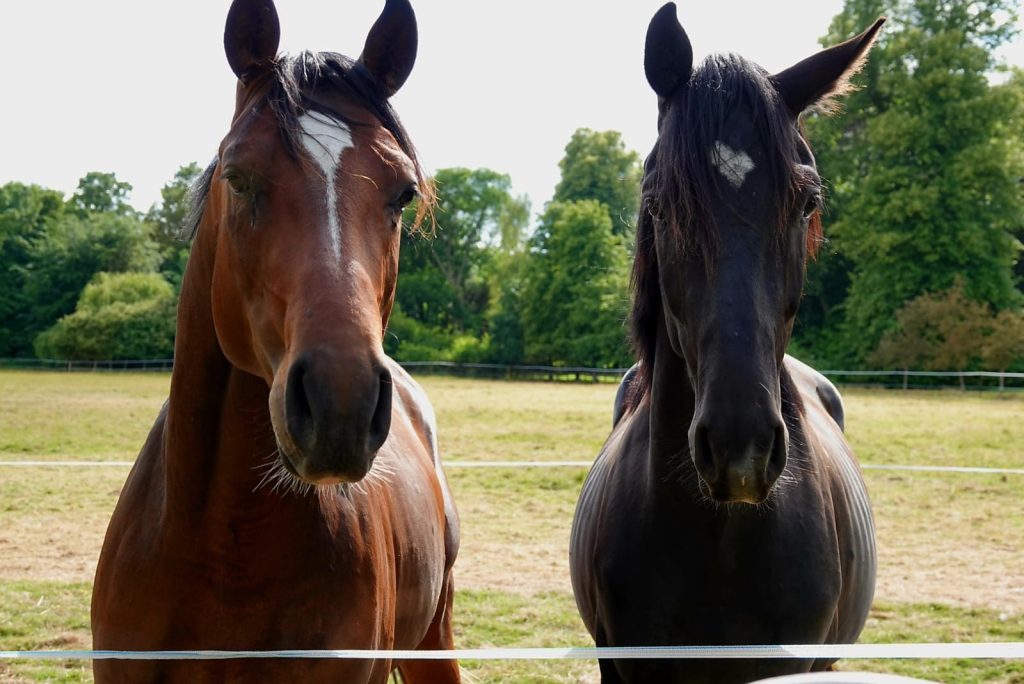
{"type": "Point", "coordinates": [923, 168]}
{"type": "Point", "coordinates": [1015, 84]}
{"type": "Point", "coordinates": [168, 218]}
{"type": "Point", "coordinates": [574, 296]}
{"type": "Point", "coordinates": [99, 192]}
{"type": "Point", "coordinates": [507, 343]}
{"type": "Point", "coordinates": [25, 213]}
{"type": "Point", "coordinates": [119, 316]}
{"type": "Point", "coordinates": [61, 261]}
{"type": "Point", "coordinates": [443, 281]}
{"type": "Point", "coordinates": [597, 166]}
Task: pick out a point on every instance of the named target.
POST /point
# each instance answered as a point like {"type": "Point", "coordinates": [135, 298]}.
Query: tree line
{"type": "Point", "coordinates": [921, 267]}
{"type": "Point", "coordinates": [481, 290]}
{"type": "Point", "coordinates": [90, 277]}
{"type": "Point", "coordinates": [925, 171]}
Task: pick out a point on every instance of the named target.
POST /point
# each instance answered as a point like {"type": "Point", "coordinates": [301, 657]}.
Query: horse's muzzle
{"type": "Point", "coordinates": [737, 463]}
{"type": "Point", "coordinates": [337, 415]}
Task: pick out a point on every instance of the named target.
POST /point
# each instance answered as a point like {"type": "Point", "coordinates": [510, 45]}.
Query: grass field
{"type": "Point", "coordinates": [951, 546]}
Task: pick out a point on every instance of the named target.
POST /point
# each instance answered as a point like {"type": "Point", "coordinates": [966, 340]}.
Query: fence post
{"type": "Point", "coordinates": [906, 377]}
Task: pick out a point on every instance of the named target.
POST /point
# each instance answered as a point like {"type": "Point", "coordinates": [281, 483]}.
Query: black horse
{"type": "Point", "coordinates": [726, 507]}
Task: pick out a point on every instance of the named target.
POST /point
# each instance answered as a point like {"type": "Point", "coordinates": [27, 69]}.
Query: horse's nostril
{"type": "Point", "coordinates": [777, 457]}
{"type": "Point", "coordinates": [703, 459]}
{"type": "Point", "coordinates": [298, 411]}
{"type": "Point", "coordinates": [380, 422]}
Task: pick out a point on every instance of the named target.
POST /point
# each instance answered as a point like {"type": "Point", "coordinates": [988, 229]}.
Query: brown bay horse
{"type": "Point", "coordinates": [726, 506]}
{"type": "Point", "coordinates": [290, 494]}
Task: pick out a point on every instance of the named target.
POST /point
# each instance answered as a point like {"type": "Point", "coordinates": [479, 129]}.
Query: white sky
{"type": "Point", "coordinates": [140, 88]}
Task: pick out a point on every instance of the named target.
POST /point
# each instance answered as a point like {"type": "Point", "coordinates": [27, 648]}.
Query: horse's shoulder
{"type": "Point", "coordinates": [411, 401]}
{"type": "Point", "coordinates": [814, 386]}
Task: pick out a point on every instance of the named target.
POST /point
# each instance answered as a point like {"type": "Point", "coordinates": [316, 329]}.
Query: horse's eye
{"type": "Point", "coordinates": [238, 182]}
{"type": "Point", "coordinates": [813, 202]}
{"type": "Point", "coordinates": [406, 198]}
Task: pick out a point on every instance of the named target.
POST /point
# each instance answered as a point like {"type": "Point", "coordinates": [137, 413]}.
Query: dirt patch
{"type": "Point", "coordinates": [50, 548]}
{"type": "Point", "coordinates": [520, 569]}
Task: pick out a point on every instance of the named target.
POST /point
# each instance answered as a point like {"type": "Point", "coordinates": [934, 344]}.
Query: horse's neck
{"type": "Point", "coordinates": [217, 428]}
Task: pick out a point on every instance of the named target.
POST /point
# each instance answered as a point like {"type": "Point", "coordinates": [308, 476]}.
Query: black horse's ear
{"type": "Point", "coordinates": [251, 36]}
{"type": "Point", "coordinates": [390, 49]}
{"type": "Point", "coordinates": [826, 75]}
{"type": "Point", "coordinates": [668, 55]}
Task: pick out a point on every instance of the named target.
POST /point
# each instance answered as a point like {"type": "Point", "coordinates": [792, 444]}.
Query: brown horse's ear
{"type": "Point", "coordinates": [826, 75]}
{"type": "Point", "coordinates": [668, 55]}
{"type": "Point", "coordinates": [251, 35]}
{"type": "Point", "coordinates": [390, 49]}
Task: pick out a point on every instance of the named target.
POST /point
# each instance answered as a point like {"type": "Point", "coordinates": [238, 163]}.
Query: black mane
{"type": "Point", "coordinates": [299, 84]}
{"type": "Point", "coordinates": [681, 185]}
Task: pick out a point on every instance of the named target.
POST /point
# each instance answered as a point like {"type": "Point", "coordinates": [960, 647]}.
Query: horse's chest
{"type": "Point", "coordinates": [301, 591]}
{"type": "Point", "coordinates": [245, 586]}
{"type": "Point", "coordinates": [728, 580]}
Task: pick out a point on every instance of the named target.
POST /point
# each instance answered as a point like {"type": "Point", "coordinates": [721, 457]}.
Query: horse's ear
{"type": "Point", "coordinates": [827, 74]}
{"type": "Point", "coordinates": [390, 49]}
{"type": "Point", "coordinates": [251, 36]}
{"type": "Point", "coordinates": [668, 55]}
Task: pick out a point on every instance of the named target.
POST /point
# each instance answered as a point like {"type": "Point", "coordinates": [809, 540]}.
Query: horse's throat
{"type": "Point", "coordinates": [672, 400]}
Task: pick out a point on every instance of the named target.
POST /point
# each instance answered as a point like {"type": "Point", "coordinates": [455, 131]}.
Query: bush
{"type": "Point", "coordinates": [469, 349]}
{"type": "Point", "coordinates": [950, 331]}
{"type": "Point", "coordinates": [407, 339]}
{"type": "Point", "coordinates": [119, 316]}
{"type": "Point", "coordinates": [125, 288]}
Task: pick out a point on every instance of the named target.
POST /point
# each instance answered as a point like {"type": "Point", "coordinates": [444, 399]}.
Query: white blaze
{"type": "Point", "coordinates": [733, 164]}
{"type": "Point", "coordinates": [324, 140]}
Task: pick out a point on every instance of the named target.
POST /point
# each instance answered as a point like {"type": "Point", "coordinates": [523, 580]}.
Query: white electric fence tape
{"type": "Point", "coordinates": [534, 464]}
{"type": "Point", "coordinates": [1001, 650]}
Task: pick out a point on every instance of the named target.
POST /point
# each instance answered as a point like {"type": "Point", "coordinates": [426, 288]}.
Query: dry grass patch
{"type": "Point", "coordinates": [515, 532]}
{"type": "Point", "coordinates": [52, 521]}
{"type": "Point", "coordinates": [953, 539]}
